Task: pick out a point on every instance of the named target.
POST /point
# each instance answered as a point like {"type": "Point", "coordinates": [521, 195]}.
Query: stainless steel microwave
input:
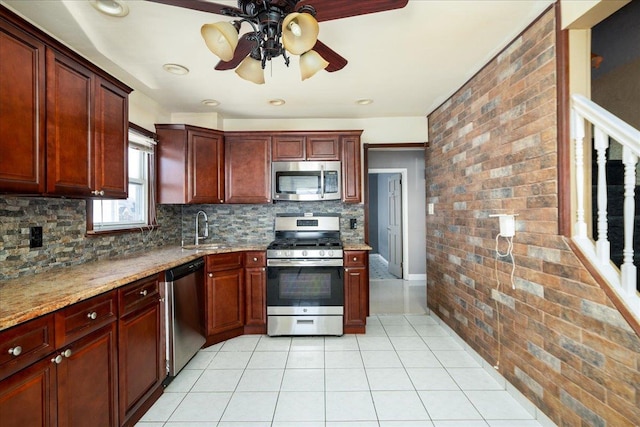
{"type": "Point", "coordinates": [301, 181]}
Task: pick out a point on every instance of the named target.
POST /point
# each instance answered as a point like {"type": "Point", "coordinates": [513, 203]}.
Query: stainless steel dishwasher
{"type": "Point", "coordinates": [184, 306]}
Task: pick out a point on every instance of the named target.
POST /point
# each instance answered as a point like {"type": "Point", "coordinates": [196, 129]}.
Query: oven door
{"type": "Point", "coordinates": [305, 287]}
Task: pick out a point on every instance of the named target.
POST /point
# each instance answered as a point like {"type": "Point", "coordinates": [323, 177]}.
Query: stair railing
{"type": "Point", "coordinates": [585, 114]}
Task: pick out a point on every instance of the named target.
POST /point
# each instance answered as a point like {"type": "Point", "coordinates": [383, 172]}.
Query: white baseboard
{"type": "Point", "coordinates": [422, 277]}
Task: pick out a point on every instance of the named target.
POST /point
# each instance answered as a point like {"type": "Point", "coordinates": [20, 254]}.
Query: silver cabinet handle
{"type": "Point", "coordinates": [57, 360]}
{"type": "Point", "coordinates": [66, 353]}
{"type": "Point", "coordinates": [93, 315]}
{"type": "Point", "coordinates": [143, 292]}
{"type": "Point", "coordinates": [15, 351]}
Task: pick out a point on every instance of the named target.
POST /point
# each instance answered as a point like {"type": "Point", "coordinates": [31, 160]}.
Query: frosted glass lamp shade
{"type": "Point", "coordinates": [310, 63]}
{"type": "Point", "coordinates": [221, 38]}
{"type": "Point", "coordinates": [251, 69]}
{"type": "Point", "coordinates": [299, 32]}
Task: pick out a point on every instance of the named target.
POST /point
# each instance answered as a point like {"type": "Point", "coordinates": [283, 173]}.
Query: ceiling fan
{"type": "Point", "coordinates": [279, 28]}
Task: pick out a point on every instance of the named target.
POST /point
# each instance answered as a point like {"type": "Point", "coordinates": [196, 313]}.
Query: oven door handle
{"type": "Point", "coordinates": [334, 262]}
{"type": "Point", "coordinates": [322, 181]}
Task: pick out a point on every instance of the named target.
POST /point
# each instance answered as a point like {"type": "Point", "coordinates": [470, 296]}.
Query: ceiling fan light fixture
{"type": "Point", "coordinates": [115, 8]}
{"type": "Point", "coordinates": [299, 32]}
{"type": "Point", "coordinates": [310, 63]}
{"type": "Point", "coordinates": [221, 38]}
{"type": "Point", "coordinates": [251, 69]}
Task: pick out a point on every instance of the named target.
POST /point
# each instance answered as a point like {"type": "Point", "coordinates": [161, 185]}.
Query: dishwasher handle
{"type": "Point", "coordinates": [184, 270]}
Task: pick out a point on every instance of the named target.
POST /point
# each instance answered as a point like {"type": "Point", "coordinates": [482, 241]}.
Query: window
{"type": "Point", "coordinates": [138, 210]}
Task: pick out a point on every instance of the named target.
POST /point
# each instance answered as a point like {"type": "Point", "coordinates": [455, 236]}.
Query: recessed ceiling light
{"type": "Point", "coordinates": [365, 101]}
{"type": "Point", "coordinates": [277, 102]}
{"type": "Point", "coordinates": [178, 69]}
{"type": "Point", "coordinates": [116, 8]}
{"type": "Point", "coordinates": [210, 102]}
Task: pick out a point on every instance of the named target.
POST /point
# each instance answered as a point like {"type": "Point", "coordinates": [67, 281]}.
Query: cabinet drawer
{"type": "Point", "coordinates": [25, 343]}
{"type": "Point", "coordinates": [255, 259]}
{"type": "Point", "coordinates": [84, 317]}
{"type": "Point", "coordinates": [355, 258]}
{"type": "Point", "coordinates": [138, 294]}
{"type": "Point", "coordinates": [226, 261]}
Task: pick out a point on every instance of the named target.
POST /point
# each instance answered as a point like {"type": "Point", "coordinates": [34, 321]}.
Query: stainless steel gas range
{"type": "Point", "coordinates": [305, 281]}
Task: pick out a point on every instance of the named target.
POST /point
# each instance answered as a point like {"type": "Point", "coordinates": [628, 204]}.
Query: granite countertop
{"type": "Point", "coordinates": [28, 297]}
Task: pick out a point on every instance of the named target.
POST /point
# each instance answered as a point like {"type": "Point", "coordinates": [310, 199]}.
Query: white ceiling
{"type": "Point", "coordinates": [408, 60]}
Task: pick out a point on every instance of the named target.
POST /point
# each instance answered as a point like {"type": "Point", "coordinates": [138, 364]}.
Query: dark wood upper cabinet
{"type": "Point", "coordinates": [190, 164]}
{"type": "Point", "coordinates": [351, 170]}
{"type": "Point", "coordinates": [247, 168]}
{"type": "Point", "coordinates": [111, 136]}
{"type": "Point", "coordinates": [64, 122]}
{"type": "Point", "coordinates": [306, 146]}
{"type": "Point", "coordinates": [22, 111]}
{"type": "Point", "coordinates": [323, 147]}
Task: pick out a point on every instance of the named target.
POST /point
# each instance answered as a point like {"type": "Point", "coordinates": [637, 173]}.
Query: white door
{"type": "Point", "coordinates": [394, 229]}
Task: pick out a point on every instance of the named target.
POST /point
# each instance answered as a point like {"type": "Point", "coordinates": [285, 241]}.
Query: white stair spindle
{"type": "Point", "coordinates": [603, 247]}
{"type": "Point", "coordinates": [628, 268]}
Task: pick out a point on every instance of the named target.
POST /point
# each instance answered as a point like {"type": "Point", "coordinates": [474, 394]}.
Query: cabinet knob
{"type": "Point", "coordinates": [255, 259]}
{"type": "Point", "coordinates": [143, 292]}
{"type": "Point", "coordinates": [355, 258]}
{"type": "Point", "coordinates": [98, 193]}
{"type": "Point", "coordinates": [15, 351]}
{"type": "Point", "coordinates": [221, 201]}
{"type": "Point", "coordinates": [57, 360]}
{"type": "Point", "coordinates": [66, 353]}
{"type": "Point", "coordinates": [346, 269]}
{"type": "Point", "coordinates": [210, 274]}
{"type": "Point", "coordinates": [93, 315]}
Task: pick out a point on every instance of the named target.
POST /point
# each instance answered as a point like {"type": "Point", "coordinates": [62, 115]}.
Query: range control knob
{"type": "Point", "coordinates": [330, 253]}
{"type": "Point", "coordinates": [321, 252]}
{"type": "Point", "coordinates": [305, 253]}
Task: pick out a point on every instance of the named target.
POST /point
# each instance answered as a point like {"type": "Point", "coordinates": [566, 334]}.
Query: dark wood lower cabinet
{"type": "Point", "coordinates": [88, 381]}
{"type": "Point", "coordinates": [224, 297]}
{"type": "Point", "coordinates": [255, 277]}
{"type": "Point", "coordinates": [28, 398]}
{"type": "Point", "coordinates": [356, 291]}
{"type": "Point", "coordinates": [141, 366]}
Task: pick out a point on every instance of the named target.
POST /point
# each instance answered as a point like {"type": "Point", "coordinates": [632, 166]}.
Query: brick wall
{"type": "Point", "coordinates": [493, 149]}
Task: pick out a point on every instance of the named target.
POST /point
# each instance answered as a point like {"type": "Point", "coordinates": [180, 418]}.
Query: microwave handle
{"type": "Point", "coordinates": [322, 181]}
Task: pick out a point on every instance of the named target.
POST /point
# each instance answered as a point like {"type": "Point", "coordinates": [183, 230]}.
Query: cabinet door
{"type": "Point", "coordinates": [351, 192]}
{"type": "Point", "coordinates": [225, 300]}
{"type": "Point", "coordinates": [140, 355]}
{"type": "Point", "coordinates": [22, 107]}
{"type": "Point", "coordinates": [323, 147]}
{"type": "Point", "coordinates": [205, 157]}
{"type": "Point", "coordinates": [255, 296]}
{"type": "Point", "coordinates": [248, 169]}
{"type": "Point", "coordinates": [288, 147]}
{"type": "Point", "coordinates": [111, 145]}
{"type": "Point", "coordinates": [28, 398]}
{"type": "Point", "coordinates": [69, 126]}
{"type": "Point", "coordinates": [87, 381]}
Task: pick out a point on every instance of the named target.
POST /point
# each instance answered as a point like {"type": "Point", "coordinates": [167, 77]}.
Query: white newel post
{"type": "Point", "coordinates": [578, 135]}
{"type": "Point", "coordinates": [628, 270]}
{"type": "Point", "coordinates": [603, 246]}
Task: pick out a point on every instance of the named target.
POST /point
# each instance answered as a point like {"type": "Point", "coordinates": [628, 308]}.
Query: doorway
{"type": "Point", "coordinates": [388, 210]}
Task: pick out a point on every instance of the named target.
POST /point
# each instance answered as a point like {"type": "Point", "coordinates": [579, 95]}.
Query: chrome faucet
{"type": "Point", "coordinates": [206, 227]}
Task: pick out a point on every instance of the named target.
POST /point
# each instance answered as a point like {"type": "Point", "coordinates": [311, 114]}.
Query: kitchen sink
{"type": "Point", "coordinates": [206, 246]}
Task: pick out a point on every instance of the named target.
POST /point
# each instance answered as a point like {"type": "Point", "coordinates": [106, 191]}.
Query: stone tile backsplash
{"type": "Point", "coordinates": [63, 223]}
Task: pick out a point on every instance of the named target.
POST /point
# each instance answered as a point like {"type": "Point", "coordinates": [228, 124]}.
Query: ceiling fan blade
{"type": "Point", "coordinates": [326, 10]}
{"type": "Point", "coordinates": [336, 62]}
{"type": "Point", "coordinates": [202, 5]}
{"type": "Point", "coordinates": [245, 45]}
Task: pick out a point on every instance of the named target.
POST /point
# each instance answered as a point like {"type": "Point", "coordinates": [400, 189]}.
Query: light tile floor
{"type": "Point", "coordinates": [406, 371]}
